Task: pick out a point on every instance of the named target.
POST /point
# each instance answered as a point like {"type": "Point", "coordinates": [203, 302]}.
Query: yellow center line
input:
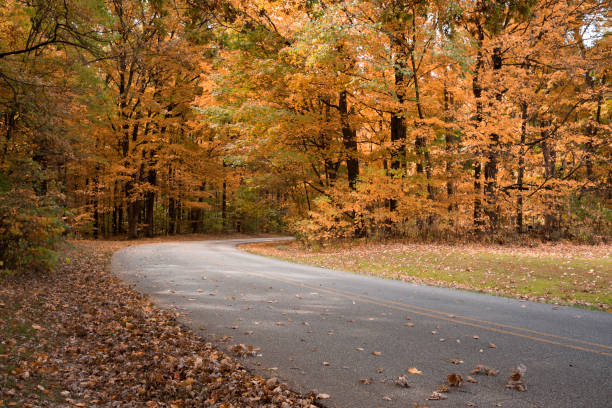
{"type": "Point", "coordinates": [439, 315]}
{"type": "Point", "coordinates": [506, 326]}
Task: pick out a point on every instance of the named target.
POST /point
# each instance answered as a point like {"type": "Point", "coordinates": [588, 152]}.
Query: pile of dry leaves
{"type": "Point", "coordinates": [80, 337]}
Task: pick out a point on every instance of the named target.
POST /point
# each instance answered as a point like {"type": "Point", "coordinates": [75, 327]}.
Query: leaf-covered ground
{"type": "Point", "coordinates": [564, 274]}
{"type": "Point", "coordinates": [80, 337]}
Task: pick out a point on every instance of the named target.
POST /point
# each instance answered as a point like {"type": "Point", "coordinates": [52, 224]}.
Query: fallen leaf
{"type": "Point", "coordinates": [366, 381]}
{"type": "Point", "coordinates": [414, 370]}
{"type": "Point", "coordinates": [443, 388]}
{"type": "Point", "coordinates": [514, 381]}
{"type": "Point", "coordinates": [455, 380]}
{"type": "Point", "coordinates": [436, 396]}
{"type": "Point", "coordinates": [402, 381]}
{"type": "Point", "coordinates": [376, 353]}
{"type": "Point", "coordinates": [323, 396]}
{"type": "Point", "coordinates": [482, 369]}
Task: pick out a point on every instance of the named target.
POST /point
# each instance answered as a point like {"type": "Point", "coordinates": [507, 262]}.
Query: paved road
{"type": "Point", "coordinates": [304, 318]}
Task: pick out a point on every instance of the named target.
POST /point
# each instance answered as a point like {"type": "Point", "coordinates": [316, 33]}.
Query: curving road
{"type": "Point", "coordinates": [324, 331]}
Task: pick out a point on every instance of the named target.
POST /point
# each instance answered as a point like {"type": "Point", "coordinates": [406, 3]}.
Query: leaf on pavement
{"type": "Point", "coordinates": [514, 381]}
{"type": "Point", "coordinates": [482, 369]}
{"type": "Point", "coordinates": [436, 396]}
{"type": "Point", "coordinates": [455, 380]}
{"type": "Point", "coordinates": [402, 381]}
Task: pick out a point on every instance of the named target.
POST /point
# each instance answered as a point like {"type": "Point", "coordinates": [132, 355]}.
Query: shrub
{"type": "Point", "coordinates": [30, 229]}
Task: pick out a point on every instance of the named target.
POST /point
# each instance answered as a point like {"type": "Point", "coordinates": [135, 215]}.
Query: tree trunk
{"type": "Point", "coordinates": [424, 163]}
{"type": "Point", "coordinates": [398, 122]}
{"type": "Point", "coordinates": [521, 170]}
{"type": "Point", "coordinates": [224, 205]}
{"type": "Point", "coordinates": [96, 225]}
{"type": "Point", "coordinates": [133, 214]}
{"type": "Point", "coordinates": [349, 139]}
{"type": "Point", "coordinates": [478, 221]}
{"type": "Point", "coordinates": [477, 91]}
{"type": "Point", "coordinates": [449, 140]}
{"type": "Point", "coordinates": [549, 155]}
{"type": "Point", "coordinates": [490, 168]}
{"type": "Point", "coordinates": [171, 217]}
{"type": "Point", "coordinates": [150, 203]}
{"type": "Point", "coordinates": [150, 214]}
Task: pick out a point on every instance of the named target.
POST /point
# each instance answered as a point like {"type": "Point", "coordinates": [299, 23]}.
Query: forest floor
{"type": "Point", "coordinates": [80, 337]}
{"type": "Point", "coordinates": [563, 274]}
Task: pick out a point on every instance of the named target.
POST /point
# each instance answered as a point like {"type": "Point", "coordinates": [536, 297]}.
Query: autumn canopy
{"type": "Point", "coordinates": [328, 118]}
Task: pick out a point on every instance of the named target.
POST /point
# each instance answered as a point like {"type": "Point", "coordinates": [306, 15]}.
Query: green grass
{"type": "Point", "coordinates": [538, 274]}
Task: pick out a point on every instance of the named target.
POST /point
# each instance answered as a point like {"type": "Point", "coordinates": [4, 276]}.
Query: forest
{"type": "Point", "coordinates": [327, 119]}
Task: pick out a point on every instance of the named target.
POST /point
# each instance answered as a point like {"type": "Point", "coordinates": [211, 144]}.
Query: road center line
{"type": "Point", "coordinates": [443, 316]}
{"type": "Point", "coordinates": [486, 322]}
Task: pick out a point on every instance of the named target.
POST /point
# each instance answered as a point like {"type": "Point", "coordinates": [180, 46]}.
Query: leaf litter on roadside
{"type": "Point", "coordinates": [105, 344]}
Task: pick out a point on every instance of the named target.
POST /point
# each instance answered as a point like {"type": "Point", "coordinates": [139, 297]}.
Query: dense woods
{"type": "Point", "coordinates": [331, 119]}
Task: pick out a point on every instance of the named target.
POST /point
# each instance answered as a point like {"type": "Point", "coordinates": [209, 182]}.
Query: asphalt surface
{"type": "Point", "coordinates": [324, 331]}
